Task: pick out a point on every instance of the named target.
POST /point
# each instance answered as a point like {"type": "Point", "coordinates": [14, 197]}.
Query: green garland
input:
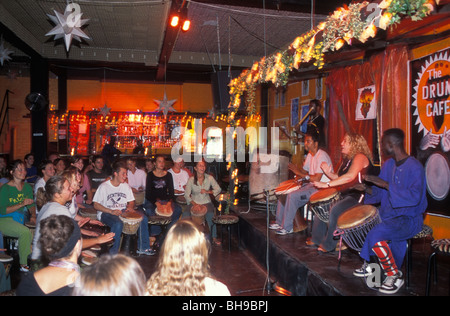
{"type": "Point", "coordinates": [342, 27]}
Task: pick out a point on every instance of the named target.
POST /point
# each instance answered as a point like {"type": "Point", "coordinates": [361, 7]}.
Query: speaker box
{"type": "Point", "coordinates": [221, 91]}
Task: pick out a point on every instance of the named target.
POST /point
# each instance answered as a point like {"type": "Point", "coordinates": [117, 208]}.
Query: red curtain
{"type": "Point", "coordinates": [386, 71]}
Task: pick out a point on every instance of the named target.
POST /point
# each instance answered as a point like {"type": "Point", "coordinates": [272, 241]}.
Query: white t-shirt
{"type": "Point", "coordinates": [312, 164]}
{"type": "Point", "coordinates": [215, 288]}
{"type": "Point", "coordinates": [137, 179]}
{"type": "Point", "coordinates": [114, 198]}
{"type": "Point", "coordinates": [179, 179]}
{"type": "Point", "coordinates": [50, 208]}
{"type": "Point", "coordinates": [40, 183]}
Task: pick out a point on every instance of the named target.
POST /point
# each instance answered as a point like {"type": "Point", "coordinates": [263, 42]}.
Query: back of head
{"type": "Point", "coordinates": [183, 263]}
{"type": "Point", "coordinates": [112, 275]}
{"type": "Point", "coordinates": [58, 236]}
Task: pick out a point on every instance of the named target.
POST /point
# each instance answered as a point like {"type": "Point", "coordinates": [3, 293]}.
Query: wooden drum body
{"type": "Point", "coordinates": [131, 222]}
{"type": "Point", "coordinates": [355, 223]}
{"type": "Point", "coordinates": [323, 201]}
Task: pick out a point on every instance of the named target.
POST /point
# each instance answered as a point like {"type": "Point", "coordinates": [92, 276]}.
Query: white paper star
{"type": "Point", "coordinates": [212, 113]}
{"type": "Point", "coordinates": [4, 52]}
{"type": "Point", "coordinates": [165, 105]}
{"type": "Point", "coordinates": [68, 26]}
{"type": "Point", "coordinates": [105, 110]}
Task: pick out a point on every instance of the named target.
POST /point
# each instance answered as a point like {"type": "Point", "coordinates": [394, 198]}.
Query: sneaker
{"type": "Point", "coordinates": [146, 252]}
{"type": "Point", "coordinates": [275, 226]}
{"type": "Point", "coordinates": [363, 272]}
{"type": "Point", "coordinates": [392, 284]}
{"type": "Point", "coordinates": [284, 231]}
{"type": "Point", "coordinates": [24, 268]}
{"type": "Point", "coordinates": [5, 258]}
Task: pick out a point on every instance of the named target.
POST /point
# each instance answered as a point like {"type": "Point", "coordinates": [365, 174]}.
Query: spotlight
{"type": "Point", "coordinates": [186, 26]}
{"type": "Point", "coordinates": [174, 21]}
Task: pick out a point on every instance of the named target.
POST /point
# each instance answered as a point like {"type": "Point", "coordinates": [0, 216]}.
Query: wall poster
{"type": "Point", "coordinates": [429, 87]}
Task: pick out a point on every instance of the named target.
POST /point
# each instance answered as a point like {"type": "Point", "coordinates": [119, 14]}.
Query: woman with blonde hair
{"type": "Point", "coordinates": [112, 275]}
{"type": "Point", "coordinates": [182, 268]}
{"type": "Point", "coordinates": [356, 162]}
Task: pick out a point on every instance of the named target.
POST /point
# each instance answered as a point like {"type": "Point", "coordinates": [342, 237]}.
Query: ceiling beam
{"type": "Point", "coordinates": [170, 38]}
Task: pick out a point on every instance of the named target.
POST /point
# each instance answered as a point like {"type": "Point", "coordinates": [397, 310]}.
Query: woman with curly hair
{"type": "Point", "coordinates": [182, 268]}
{"type": "Point", "coordinates": [356, 162]}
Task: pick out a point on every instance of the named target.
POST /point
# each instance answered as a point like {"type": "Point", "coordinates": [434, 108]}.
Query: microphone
{"type": "Point", "coordinates": [306, 178]}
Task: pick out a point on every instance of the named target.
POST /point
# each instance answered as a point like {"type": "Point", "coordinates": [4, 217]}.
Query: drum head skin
{"type": "Point", "coordinates": [323, 195]}
{"type": "Point", "coordinates": [164, 208]}
{"type": "Point", "coordinates": [199, 210]}
{"type": "Point", "coordinates": [437, 173]}
{"type": "Point", "coordinates": [131, 215]}
{"type": "Point", "coordinates": [355, 216]}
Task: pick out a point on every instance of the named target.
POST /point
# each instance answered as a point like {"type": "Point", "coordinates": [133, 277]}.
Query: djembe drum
{"type": "Point", "coordinates": [164, 209]}
{"type": "Point", "coordinates": [131, 222]}
{"type": "Point", "coordinates": [285, 188]}
{"type": "Point", "coordinates": [198, 213]}
{"type": "Point", "coordinates": [322, 201]}
{"type": "Point", "coordinates": [281, 193]}
{"type": "Point", "coordinates": [354, 224]}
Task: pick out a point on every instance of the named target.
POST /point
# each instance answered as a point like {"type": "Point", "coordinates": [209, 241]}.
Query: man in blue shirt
{"type": "Point", "coordinates": [401, 191]}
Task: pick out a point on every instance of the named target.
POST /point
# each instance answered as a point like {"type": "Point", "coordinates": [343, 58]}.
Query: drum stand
{"type": "Point", "coordinates": [269, 285]}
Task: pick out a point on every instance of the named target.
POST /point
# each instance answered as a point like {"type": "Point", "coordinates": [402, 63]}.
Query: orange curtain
{"type": "Point", "coordinates": [386, 71]}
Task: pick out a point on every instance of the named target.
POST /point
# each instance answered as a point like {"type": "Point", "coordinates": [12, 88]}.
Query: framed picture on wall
{"type": "Point", "coordinates": [283, 124]}
{"type": "Point", "coordinates": [294, 111]}
{"type": "Point", "coordinates": [304, 126]}
{"type": "Point", "coordinates": [305, 88]}
{"type": "Point", "coordinates": [319, 83]}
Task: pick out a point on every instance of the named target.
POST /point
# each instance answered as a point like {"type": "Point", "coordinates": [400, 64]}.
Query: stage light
{"type": "Point", "coordinates": [174, 21]}
{"type": "Point", "coordinates": [186, 25]}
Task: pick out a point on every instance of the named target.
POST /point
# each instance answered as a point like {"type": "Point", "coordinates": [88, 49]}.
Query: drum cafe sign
{"type": "Point", "coordinates": [431, 98]}
{"type": "Point", "coordinates": [430, 109]}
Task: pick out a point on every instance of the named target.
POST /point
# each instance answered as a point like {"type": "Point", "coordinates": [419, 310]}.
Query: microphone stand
{"type": "Point", "coordinates": [268, 284]}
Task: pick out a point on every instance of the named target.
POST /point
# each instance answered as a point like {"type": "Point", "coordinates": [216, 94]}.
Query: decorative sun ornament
{"type": "Point", "coordinates": [68, 25]}
{"type": "Point", "coordinates": [4, 52]}
{"type": "Point", "coordinates": [165, 105]}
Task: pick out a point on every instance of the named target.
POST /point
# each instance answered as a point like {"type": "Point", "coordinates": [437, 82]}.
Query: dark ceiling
{"type": "Point", "coordinates": [133, 35]}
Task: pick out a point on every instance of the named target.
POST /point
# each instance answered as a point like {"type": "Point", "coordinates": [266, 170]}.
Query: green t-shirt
{"type": "Point", "coordinates": [9, 196]}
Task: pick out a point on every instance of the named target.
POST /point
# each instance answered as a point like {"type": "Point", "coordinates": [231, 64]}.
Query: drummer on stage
{"type": "Point", "coordinates": [401, 190]}
{"type": "Point", "coordinates": [311, 167]}
{"type": "Point", "coordinates": [357, 161]}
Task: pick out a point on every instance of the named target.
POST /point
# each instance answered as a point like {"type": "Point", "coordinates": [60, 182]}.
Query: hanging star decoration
{"type": "Point", "coordinates": [4, 52]}
{"type": "Point", "coordinates": [165, 105]}
{"type": "Point", "coordinates": [68, 25]}
{"type": "Point", "coordinates": [212, 113]}
{"type": "Point", "coordinates": [105, 110]}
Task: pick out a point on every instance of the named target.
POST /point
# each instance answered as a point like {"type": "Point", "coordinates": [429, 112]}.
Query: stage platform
{"type": "Point", "coordinates": [304, 271]}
